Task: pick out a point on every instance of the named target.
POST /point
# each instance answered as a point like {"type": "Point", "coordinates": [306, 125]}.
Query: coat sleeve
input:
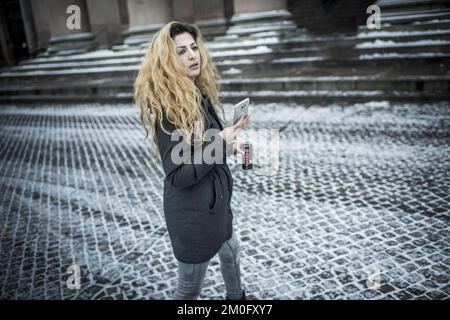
{"type": "Point", "coordinates": [184, 175]}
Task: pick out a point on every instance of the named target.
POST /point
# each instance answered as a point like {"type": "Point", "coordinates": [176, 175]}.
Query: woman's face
{"type": "Point", "coordinates": [188, 54]}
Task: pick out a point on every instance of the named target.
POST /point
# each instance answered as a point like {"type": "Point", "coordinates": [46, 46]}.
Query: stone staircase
{"type": "Point", "coordinates": [266, 57]}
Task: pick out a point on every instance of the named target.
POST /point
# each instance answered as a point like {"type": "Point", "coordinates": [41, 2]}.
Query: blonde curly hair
{"type": "Point", "coordinates": [162, 85]}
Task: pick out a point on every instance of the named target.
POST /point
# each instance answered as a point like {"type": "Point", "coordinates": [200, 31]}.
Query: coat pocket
{"type": "Point", "coordinates": [217, 194]}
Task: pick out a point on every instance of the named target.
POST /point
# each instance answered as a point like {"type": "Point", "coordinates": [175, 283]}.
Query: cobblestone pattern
{"type": "Point", "coordinates": [359, 208]}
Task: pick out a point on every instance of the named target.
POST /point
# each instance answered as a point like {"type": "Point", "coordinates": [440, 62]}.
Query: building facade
{"type": "Point", "coordinates": [31, 27]}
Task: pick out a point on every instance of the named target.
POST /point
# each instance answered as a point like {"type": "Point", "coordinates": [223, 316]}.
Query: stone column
{"type": "Point", "coordinates": [28, 25]}
{"type": "Point", "coordinates": [249, 6]}
{"type": "Point", "coordinates": [41, 18]}
{"type": "Point", "coordinates": [327, 17]}
{"type": "Point", "coordinates": [213, 16]}
{"type": "Point", "coordinates": [145, 17]}
{"type": "Point", "coordinates": [6, 51]}
{"type": "Point", "coordinates": [105, 20]}
{"type": "Point", "coordinates": [123, 12]}
{"type": "Point", "coordinates": [63, 38]}
{"type": "Point", "coordinates": [183, 10]}
{"type": "Point", "coordinates": [251, 16]}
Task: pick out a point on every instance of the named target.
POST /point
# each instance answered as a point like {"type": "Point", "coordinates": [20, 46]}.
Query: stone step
{"type": "Point", "coordinates": [411, 47]}
{"type": "Point", "coordinates": [100, 63]}
{"type": "Point", "coordinates": [124, 86]}
{"type": "Point", "coordinates": [309, 96]}
{"type": "Point", "coordinates": [297, 67]}
{"type": "Point", "coordinates": [93, 87]}
{"type": "Point", "coordinates": [98, 55]}
{"type": "Point", "coordinates": [242, 25]}
{"type": "Point", "coordinates": [394, 6]}
{"type": "Point", "coordinates": [247, 44]}
{"type": "Point", "coordinates": [421, 83]}
{"type": "Point", "coordinates": [270, 43]}
{"type": "Point", "coordinates": [255, 27]}
{"type": "Point", "coordinates": [250, 68]}
{"type": "Point", "coordinates": [259, 18]}
{"type": "Point", "coordinates": [403, 36]}
{"type": "Point", "coordinates": [73, 75]}
{"type": "Point", "coordinates": [327, 96]}
{"type": "Point", "coordinates": [258, 35]}
{"type": "Point", "coordinates": [415, 17]}
{"type": "Point", "coordinates": [79, 98]}
{"type": "Point", "coordinates": [442, 24]}
{"type": "Point", "coordinates": [258, 54]}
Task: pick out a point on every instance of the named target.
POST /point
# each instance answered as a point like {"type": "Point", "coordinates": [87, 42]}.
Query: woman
{"type": "Point", "coordinates": [177, 90]}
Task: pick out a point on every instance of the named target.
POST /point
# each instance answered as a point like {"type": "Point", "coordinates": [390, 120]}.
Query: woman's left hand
{"type": "Point", "coordinates": [237, 145]}
{"type": "Point", "coordinates": [229, 133]}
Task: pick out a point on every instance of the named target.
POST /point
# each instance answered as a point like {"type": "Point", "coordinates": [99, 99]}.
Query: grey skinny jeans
{"type": "Point", "coordinates": [191, 276]}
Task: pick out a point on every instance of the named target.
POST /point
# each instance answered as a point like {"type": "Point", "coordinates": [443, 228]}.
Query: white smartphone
{"type": "Point", "coordinates": [241, 110]}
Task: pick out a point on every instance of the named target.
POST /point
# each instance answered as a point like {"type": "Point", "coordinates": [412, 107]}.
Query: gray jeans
{"type": "Point", "coordinates": [191, 276]}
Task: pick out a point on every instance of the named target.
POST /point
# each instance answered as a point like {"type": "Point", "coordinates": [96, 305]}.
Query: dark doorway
{"type": "Point", "coordinates": [12, 32]}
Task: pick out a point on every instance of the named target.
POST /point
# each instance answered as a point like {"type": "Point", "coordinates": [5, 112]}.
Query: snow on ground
{"type": "Point", "coordinates": [260, 112]}
{"type": "Point", "coordinates": [358, 186]}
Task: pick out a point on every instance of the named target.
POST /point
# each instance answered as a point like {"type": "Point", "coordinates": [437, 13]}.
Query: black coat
{"type": "Point", "coordinates": [197, 197]}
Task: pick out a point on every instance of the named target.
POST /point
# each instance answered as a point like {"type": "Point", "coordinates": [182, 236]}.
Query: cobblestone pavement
{"type": "Point", "coordinates": [359, 208]}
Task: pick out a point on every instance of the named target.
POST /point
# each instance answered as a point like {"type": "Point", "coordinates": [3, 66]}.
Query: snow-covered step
{"type": "Point", "coordinates": [271, 34]}
{"type": "Point", "coordinates": [307, 40]}
{"type": "Point", "coordinates": [280, 27]}
{"type": "Point", "coordinates": [404, 57]}
{"type": "Point", "coordinates": [327, 96]}
{"type": "Point", "coordinates": [110, 98]}
{"type": "Point", "coordinates": [69, 86]}
{"type": "Point", "coordinates": [404, 35]}
{"type": "Point", "coordinates": [395, 6]}
{"type": "Point", "coordinates": [77, 65]}
{"type": "Point", "coordinates": [261, 53]}
{"type": "Point", "coordinates": [257, 35]}
{"type": "Point", "coordinates": [73, 74]}
{"type": "Point", "coordinates": [221, 51]}
{"type": "Point", "coordinates": [97, 55]}
{"type": "Point", "coordinates": [424, 83]}
{"type": "Point", "coordinates": [264, 53]}
{"type": "Point", "coordinates": [288, 66]}
{"type": "Point", "coordinates": [415, 17]}
{"type": "Point", "coordinates": [216, 48]}
{"type": "Point", "coordinates": [391, 58]}
{"type": "Point", "coordinates": [260, 16]}
{"type": "Point", "coordinates": [253, 26]}
{"type": "Point", "coordinates": [307, 96]}
{"type": "Point", "coordinates": [407, 47]}
{"type": "Point", "coordinates": [295, 42]}
{"type": "Point", "coordinates": [436, 24]}
{"type": "Point", "coordinates": [261, 86]}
